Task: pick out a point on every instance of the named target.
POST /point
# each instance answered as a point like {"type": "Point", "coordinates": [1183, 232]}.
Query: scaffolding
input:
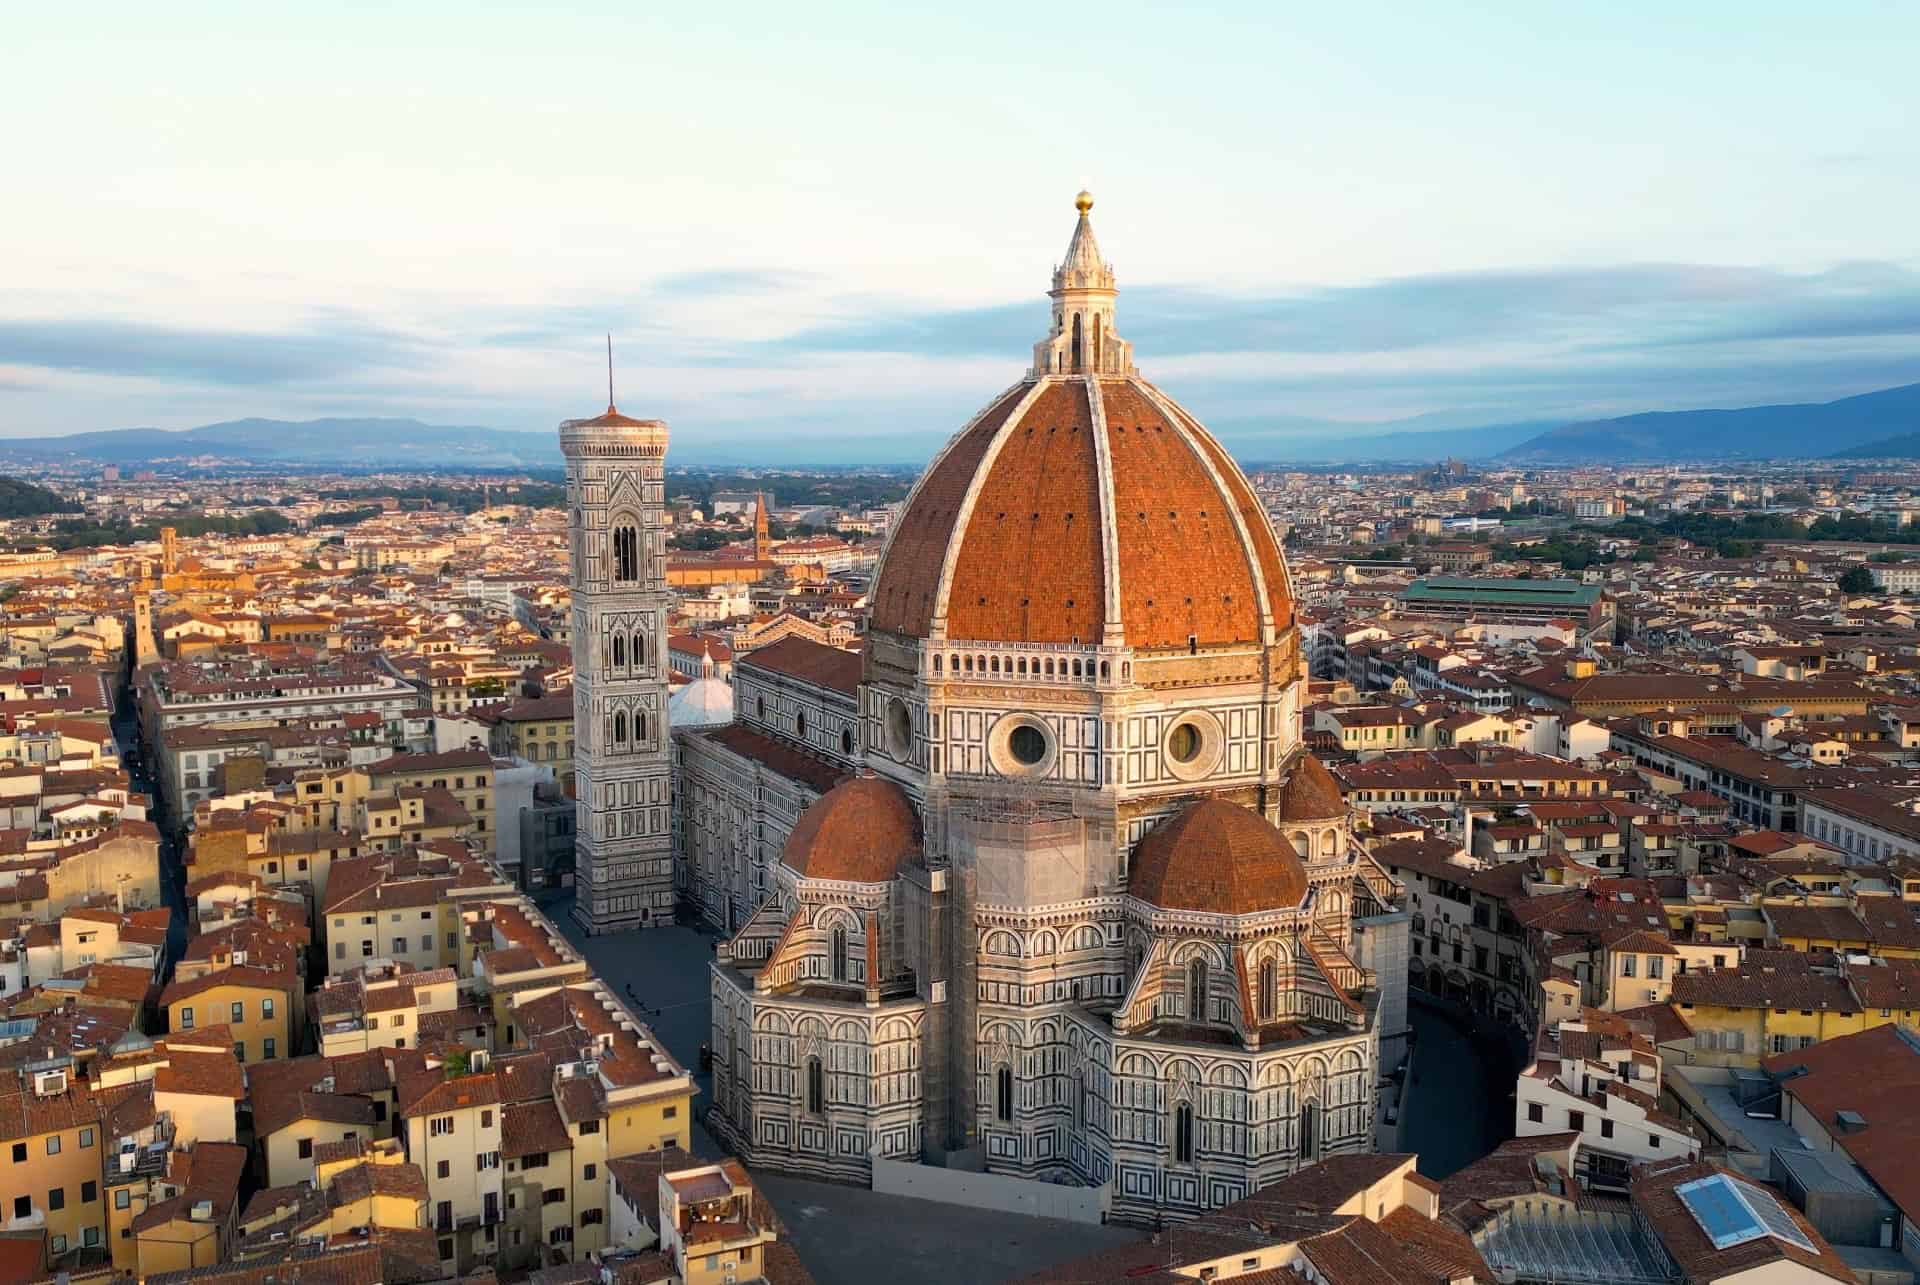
{"type": "Point", "coordinates": [1573, 1247]}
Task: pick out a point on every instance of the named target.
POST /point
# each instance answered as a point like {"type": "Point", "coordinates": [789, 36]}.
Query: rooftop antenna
{"type": "Point", "coordinates": [609, 372]}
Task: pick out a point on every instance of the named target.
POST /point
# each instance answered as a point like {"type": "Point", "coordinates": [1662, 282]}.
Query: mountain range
{"type": "Point", "coordinates": [351, 443]}
{"type": "Point", "coordinates": [1883, 424]}
{"type": "Point", "coordinates": [1869, 425]}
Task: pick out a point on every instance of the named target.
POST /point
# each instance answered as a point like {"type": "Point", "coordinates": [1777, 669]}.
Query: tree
{"type": "Point", "coordinates": [1856, 580]}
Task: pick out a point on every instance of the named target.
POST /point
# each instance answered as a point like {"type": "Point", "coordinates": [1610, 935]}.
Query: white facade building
{"type": "Point", "coordinates": [1080, 905]}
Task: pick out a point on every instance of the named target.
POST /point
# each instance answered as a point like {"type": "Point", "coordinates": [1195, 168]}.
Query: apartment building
{"type": "Point", "coordinates": [1597, 1078]}
{"type": "Point", "coordinates": [51, 1169]}
{"type": "Point", "coordinates": [466, 774]}
{"type": "Point", "coordinates": [260, 1008]}
{"type": "Point", "coordinates": [402, 907]}
{"type": "Point", "coordinates": [393, 1006]}
{"type": "Point", "coordinates": [450, 1123]}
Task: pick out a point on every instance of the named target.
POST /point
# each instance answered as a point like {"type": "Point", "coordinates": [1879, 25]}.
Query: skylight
{"type": "Point", "coordinates": [1732, 1212]}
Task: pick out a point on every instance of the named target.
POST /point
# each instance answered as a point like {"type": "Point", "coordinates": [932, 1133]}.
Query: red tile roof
{"type": "Point", "coordinates": [1220, 857]}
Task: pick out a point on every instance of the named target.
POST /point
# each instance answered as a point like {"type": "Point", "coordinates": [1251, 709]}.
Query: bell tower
{"type": "Point", "coordinates": [623, 872]}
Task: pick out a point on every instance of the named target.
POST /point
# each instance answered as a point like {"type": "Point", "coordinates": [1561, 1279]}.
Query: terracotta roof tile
{"type": "Point", "coordinates": [860, 831]}
{"type": "Point", "coordinates": [1220, 857]}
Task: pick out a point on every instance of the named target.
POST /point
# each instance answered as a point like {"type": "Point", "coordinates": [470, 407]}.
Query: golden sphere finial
{"type": "Point", "coordinates": [1084, 201]}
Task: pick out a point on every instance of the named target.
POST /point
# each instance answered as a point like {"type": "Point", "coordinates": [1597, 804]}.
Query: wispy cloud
{"type": "Point", "coordinates": [1651, 304]}
{"type": "Point", "coordinates": [756, 356]}
{"type": "Point", "coordinates": [331, 349]}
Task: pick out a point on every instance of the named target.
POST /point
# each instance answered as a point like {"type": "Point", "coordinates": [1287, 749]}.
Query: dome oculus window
{"type": "Point", "coordinates": [1193, 745]}
{"type": "Point", "coordinates": [1027, 744]}
{"type": "Point", "coordinates": [899, 728]}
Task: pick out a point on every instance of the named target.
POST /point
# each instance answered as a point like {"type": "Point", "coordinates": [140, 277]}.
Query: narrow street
{"type": "Point", "coordinates": [173, 874]}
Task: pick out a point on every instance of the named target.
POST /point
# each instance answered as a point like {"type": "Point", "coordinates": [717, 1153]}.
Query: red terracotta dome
{"type": "Point", "coordinates": [858, 832]}
{"type": "Point", "coordinates": [1084, 504]}
{"type": "Point", "coordinates": [1310, 793]}
{"type": "Point", "coordinates": [1217, 857]}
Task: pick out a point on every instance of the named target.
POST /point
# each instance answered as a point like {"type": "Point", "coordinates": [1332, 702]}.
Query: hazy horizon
{"type": "Point", "coordinates": [838, 224]}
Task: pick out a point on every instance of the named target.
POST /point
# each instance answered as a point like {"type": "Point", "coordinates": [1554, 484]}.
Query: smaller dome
{"type": "Point", "coordinates": [857, 832]}
{"type": "Point", "coordinates": [1311, 793]}
{"type": "Point", "coordinates": [1220, 858]}
{"type": "Point", "coordinates": [704, 702]}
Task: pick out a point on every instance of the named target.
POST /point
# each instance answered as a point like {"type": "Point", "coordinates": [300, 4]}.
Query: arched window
{"type": "Point", "coordinates": [639, 727]}
{"type": "Point", "coordinates": [619, 650]}
{"type": "Point", "coordinates": [626, 553]}
{"type": "Point", "coordinates": [639, 647]}
{"type": "Point", "coordinates": [816, 1087]}
{"type": "Point", "coordinates": [1269, 990]}
{"type": "Point", "coordinates": [1183, 1134]}
{"type": "Point", "coordinates": [840, 954]}
{"type": "Point", "coordinates": [1309, 1131]}
{"type": "Point", "coordinates": [936, 663]}
{"type": "Point", "coordinates": [1003, 1093]}
{"type": "Point", "coordinates": [1098, 331]}
{"type": "Point", "coordinates": [1197, 990]}
{"type": "Point", "coordinates": [1076, 342]}
{"type": "Point", "coordinates": [620, 728]}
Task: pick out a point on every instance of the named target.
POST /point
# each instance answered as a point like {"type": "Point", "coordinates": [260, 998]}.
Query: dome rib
{"type": "Point", "coordinates": [905, 601]}
{"type": "Point", "coordinates": [1114, 633]}
{"type": "Point", "coordinates": [1028, 565]}
{"type": "Point", "coordinates": [1166, 542]}
{"type": "Point", "coordinates": [1191, 433]}
{"type": "Point", "coordinates": [1274, 573]}
{"type": "Point", "coordinates": [1183, 556]}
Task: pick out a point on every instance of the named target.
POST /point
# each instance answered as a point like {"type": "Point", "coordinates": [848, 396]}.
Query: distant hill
{"type": "Point", "coordinates": [1755, 432]}
{"type": "Point", "coordinates": [324, 442]}
{"type": "Point", "coordinates": [1905, 446]}
{"type": "Point", "coordinates": [25, 500]}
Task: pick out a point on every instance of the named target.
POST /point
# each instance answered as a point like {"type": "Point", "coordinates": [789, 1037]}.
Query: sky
{"type": "Point", "coordinates": [834, 223]}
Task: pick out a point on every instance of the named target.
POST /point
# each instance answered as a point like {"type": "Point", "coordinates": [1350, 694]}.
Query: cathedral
{"type": "Point", "coordinates": [1043, 882]}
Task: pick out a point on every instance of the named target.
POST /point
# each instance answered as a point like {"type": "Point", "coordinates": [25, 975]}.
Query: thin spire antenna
{"type": "Point", "coordinates": [609, 372]}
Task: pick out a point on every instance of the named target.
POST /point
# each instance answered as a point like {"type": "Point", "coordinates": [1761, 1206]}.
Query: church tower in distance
{"type": "Point", "coordinates": [623, 875]}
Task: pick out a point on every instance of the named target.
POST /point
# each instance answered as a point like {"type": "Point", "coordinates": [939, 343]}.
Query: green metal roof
{"type": "Point", "coordinates": [1469, 589]}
